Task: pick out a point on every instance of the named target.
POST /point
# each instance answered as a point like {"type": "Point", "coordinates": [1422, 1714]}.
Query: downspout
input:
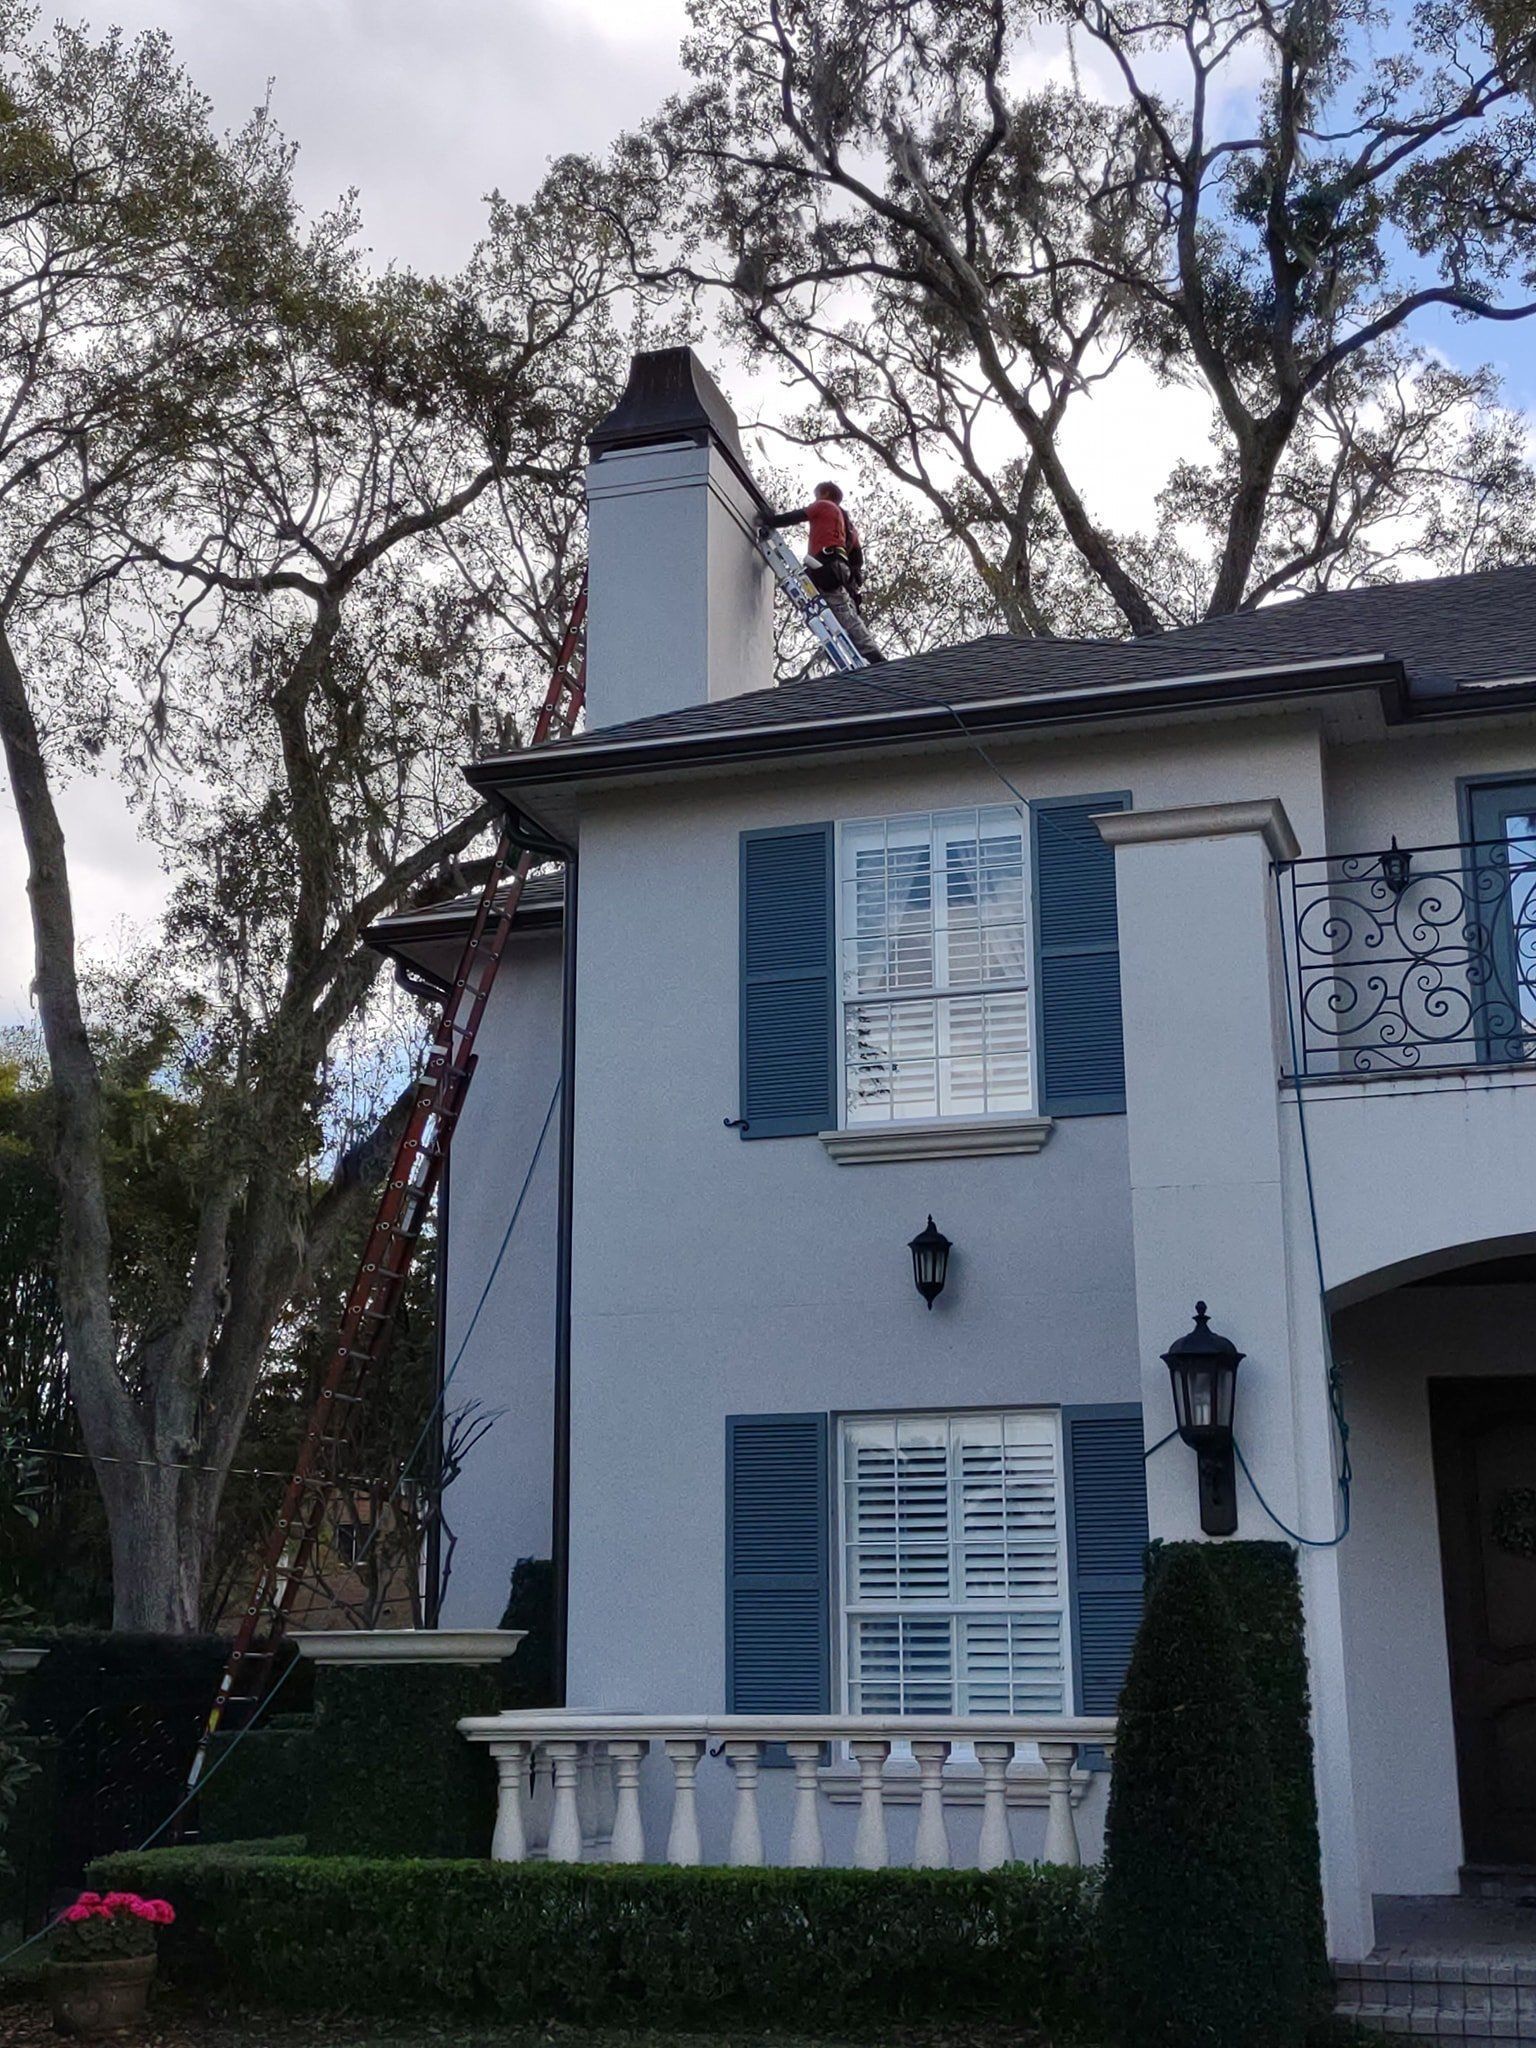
{"type": "Point", "coordinates": [434, 1600]}
{"type": "Point", "coordinates": [560, 1504]}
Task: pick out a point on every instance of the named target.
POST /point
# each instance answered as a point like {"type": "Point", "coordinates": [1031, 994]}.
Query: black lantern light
{"type": "Point", "coordinates": [930, 1262]}
{"type": "Point", "coordinates": [1203, 1369]}
{"type": "Point", "coordinates": [1396, 867]}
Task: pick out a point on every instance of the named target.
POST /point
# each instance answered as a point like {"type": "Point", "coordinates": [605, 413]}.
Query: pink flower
{"type": "Point", "coordinates": [89, 1899]}
{"type": "Point", "coordinates": [127, 1900]}
{"type": "Point", "coordinates": [163, 1911]}
{"type": "Point", "coordinates": [141, 1909]}
{"type": "Point", "coordinates": [78, 1912]}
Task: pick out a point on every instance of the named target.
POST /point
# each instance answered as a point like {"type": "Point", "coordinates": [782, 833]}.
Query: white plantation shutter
{"type": "Point", "coordinates": [936, 966]}
{"type": "Point", "coordinates": [953, 1571]}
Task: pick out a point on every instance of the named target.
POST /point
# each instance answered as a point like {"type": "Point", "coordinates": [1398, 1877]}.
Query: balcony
{"type": "Point", "coordinates": [1416, 960]}
{"type": "Point", "coordinates": [626, 1788]}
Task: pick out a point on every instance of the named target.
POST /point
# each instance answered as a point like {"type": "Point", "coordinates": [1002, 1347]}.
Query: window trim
{"type": "Point", "coordinates": [1017, 1129]}
{"type": "Point", "coordinates": [838, 1539]}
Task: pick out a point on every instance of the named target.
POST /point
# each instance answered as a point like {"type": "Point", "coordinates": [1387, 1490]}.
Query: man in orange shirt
{"type": "Point", "coordinates": [834, 561]}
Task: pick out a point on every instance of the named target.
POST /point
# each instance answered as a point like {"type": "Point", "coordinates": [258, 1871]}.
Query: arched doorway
{"type": "Point", "coordinates": [1439, 1575]}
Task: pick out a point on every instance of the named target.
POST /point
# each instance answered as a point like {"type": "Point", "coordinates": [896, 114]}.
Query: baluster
{"type": "Point", "coordinates": [1061, 1827]}
{"type": "Point", "coordinates": [871, 1851]}
{"type": "Point", "coordinates": [746, 1850]}
{"type": "Point", "coordinates": [541, 1800]}
{"type": "Point", "coordinates": [586, 1794]}
{"type": "Point", "coordinates": [683, 1835]}
{"type": "Point", "coordinates": [995, 1847]}
{"type": "Point", "coordinates": [565, 1839]}
{"type": "Point", "coordinates": [805, 1849]}
{"type": "Point", "coordinates": [627, 1844]}
{"type": "Point", "coordinates": [603, 1795]}
{"type": "Point", "coordinates": [932, 1851]}
{"type": "Point", "coordinates": [509, 1842]}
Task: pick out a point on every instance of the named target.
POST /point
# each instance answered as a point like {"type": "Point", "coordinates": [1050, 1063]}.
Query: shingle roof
{"type": "Point", "coordinates": [542, 901]}
{"type": "Point", "coordinates": [1448, 631]}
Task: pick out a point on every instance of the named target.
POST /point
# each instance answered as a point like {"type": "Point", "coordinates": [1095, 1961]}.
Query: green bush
{"type": "Point", "coordinates": [596, 1944]}
{"type": "Point", "coordinates": [390, 1775]}
{"type": "Point", "coordinates": [1263, 1592]}
{"type": "Point", "coordinates": [26, 1850]}
{"type": "Point", "coordinates": [88, 1668]}
{"type": "Point", "coordinates": [258, 1782]}
{"type": "Point", "coordinates": [1199, 1949]}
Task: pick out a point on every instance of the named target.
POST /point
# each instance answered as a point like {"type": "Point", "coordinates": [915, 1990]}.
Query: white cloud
{"type": "Point", "coordinates": [116, 878]}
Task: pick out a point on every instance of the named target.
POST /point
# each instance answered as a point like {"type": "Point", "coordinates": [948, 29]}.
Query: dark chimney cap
{"type": "Point", "coordinates": [670, 396]}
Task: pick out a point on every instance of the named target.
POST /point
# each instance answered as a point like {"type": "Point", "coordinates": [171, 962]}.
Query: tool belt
{"type": "Point", "coordinates": [830, 570]}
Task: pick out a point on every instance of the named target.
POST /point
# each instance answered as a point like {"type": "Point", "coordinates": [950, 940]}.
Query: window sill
{"type": "Point", "coordinates": [864, 1145]}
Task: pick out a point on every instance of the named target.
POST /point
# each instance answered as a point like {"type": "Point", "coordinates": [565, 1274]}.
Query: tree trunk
{"type": "Point", "coordinates": [160, 1520]}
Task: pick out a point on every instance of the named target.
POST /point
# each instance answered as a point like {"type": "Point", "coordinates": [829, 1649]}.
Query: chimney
{"type": "Point", "coordinates": [680, 600]}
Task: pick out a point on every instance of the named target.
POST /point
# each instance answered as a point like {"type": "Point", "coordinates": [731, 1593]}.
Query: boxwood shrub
{"type": "Point", "coordinates": [595, 1944]}
{"type": "Point", "coordinates": [390, 1775]}
{"type": "Point", "coordinates": [1263, 1592]}
{"type": "Point", "coordinates": [1200, 1949]}
{"type": "Point", "coordinates": [258, 1781]}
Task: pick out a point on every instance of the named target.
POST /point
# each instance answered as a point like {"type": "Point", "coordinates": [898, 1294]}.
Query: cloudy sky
{"type": "Point", "coordinates": [425, 106]}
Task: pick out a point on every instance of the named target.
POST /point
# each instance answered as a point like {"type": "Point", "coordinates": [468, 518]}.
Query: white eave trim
{"type": "Point", "coordinates": [868, 1144]}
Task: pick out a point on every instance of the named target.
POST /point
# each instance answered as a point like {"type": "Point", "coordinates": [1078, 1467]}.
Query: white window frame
{"type": "Point", "coordinates": [1043, 1427]}
{"type": "Point", "coordinates": [937, 829]}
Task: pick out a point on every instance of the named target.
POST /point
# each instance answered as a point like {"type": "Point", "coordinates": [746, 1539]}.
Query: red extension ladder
{"type": "Point", "coordinates": [403, 1206]}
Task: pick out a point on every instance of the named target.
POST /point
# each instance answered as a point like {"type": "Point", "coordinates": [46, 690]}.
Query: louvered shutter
{"type": "Point", "coordinates": [776, 1564]}
{"type": "Point", "coordinates": [788, 1050]}
{"type": "Point", "coordinates": [1107, 1540]}
{"type": "Point", "coordinates": [1077, 958]}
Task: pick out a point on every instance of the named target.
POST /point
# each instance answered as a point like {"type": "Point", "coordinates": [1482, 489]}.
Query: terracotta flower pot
{"type": "Point", "coordinates": [96, 2001]}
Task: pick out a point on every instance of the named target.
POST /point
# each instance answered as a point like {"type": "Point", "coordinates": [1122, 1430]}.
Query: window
{"type": "Point", "coordinates": [934, 937]}
{"type": "Point", "coordinates": [1502, 816]}
{"type": "Point", "coordinates": [953, 1570]}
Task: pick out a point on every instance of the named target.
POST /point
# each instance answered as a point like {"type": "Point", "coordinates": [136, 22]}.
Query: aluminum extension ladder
{"type": "Point", "coordinates": [791, 577]}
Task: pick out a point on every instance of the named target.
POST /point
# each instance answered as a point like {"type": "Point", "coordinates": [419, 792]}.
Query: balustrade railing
{"type": "Point", "coordinates": [1411, 960]}
{"type": "Point", "coordinates": [569, 1784]}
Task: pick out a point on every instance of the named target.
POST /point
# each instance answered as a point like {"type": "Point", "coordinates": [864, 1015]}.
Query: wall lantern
{"type": "Point", "coordinates": [1396, 867]}
{"type": "Point", "coordinates": [930, 1262]}
{"type": "Point", "coordinates": [1203, 1369]}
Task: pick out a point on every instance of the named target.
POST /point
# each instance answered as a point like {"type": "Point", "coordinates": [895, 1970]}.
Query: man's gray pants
{"type": "Point", "coordinates": [842, 607]}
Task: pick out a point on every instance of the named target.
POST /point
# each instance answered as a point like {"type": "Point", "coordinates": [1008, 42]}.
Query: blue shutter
{"type": "Point", "coordinates": [1106, 1541]}
{"type": "Point", "coordinates": [788, 1067]}
{"type": "Point", "coordinates": [1077, 958]}
{"type": "Point", "coordinates": [776, 1565]}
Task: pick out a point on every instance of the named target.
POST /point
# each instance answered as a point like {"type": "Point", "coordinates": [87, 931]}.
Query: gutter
{"type": "Point", "coordinates": [1087, 703]}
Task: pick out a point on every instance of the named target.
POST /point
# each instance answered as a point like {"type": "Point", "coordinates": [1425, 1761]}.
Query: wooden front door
{"type": "Point", "coordinates": [1484, 1435]}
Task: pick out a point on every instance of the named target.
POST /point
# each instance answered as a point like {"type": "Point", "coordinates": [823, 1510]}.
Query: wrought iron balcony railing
{"type": "Point", "coordinates": [1412, 960]}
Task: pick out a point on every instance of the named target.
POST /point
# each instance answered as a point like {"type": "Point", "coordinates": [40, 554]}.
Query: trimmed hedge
{"type": "Point", "coordinates": [1263, 1591]}
{"type": "Point", "coordinates": [258, 1783]}
{"type": "Point", "coordinates": [1199, 1948]}
{"type": "Point", "coordinates": [390, 1775]}
{"type": "Point", "coordinates": [596, 1944]}
{"type": "Point", "coordinates": [88, 1668]}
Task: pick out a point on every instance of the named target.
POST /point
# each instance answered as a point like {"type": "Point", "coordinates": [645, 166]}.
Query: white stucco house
{"type": "Point", "coordinates": [1197, 967]}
